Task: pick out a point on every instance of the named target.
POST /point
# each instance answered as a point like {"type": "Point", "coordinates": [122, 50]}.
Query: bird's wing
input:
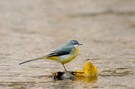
{"type": "Point", "coordinates": [60, 52]}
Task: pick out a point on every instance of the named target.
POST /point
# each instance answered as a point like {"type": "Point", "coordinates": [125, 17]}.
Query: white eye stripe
{"type": "Point", "coordinates": [73, 41]}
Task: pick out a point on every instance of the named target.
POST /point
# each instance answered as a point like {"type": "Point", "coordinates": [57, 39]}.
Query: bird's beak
{"type": "Point", "coordinates": [80, 44]}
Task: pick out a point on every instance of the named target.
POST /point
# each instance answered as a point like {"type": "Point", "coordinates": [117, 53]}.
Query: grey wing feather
{"type": "Point", "coordinates": [61, 51]}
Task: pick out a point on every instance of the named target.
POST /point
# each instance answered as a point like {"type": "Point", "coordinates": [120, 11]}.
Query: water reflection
{"type": "Point", "coordinates": [87, 79]}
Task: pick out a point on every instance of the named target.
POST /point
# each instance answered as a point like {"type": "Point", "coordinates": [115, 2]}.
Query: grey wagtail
{"type": "Point", "coordinates": [63, 54]}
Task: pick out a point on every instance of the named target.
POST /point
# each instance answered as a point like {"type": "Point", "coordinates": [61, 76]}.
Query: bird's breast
{"type": "Point", "coordinates": [75, 53]}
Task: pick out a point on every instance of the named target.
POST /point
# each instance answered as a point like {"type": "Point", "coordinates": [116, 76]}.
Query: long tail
{"type": "Point", "coordinates": [31, 60]}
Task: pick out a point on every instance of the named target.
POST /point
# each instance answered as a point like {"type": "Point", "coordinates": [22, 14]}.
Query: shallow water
{"type": "Point", "coordinates": [33, 28]}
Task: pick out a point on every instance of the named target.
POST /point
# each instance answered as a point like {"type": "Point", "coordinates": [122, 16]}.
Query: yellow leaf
{"type": "Point", "coordinates": [89, 70]}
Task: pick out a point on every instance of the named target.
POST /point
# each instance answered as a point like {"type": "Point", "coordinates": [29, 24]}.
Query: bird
{"type": "Point", "coordinates": [63, 54]}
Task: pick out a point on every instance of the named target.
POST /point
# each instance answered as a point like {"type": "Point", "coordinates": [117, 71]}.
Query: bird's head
{"type": "Point", "coordinates": [74, 43]}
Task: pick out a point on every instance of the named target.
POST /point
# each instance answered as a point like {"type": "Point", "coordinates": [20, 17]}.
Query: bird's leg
{"type": "Point", "coordinates": [64, 67]}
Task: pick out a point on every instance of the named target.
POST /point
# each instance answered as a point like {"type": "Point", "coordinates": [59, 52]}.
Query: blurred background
{"type": "Point", "coordinates": [33, 28]}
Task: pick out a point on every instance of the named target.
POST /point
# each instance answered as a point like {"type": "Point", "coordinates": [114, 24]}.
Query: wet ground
{"type": "Point", "coordinates": [33, 28]}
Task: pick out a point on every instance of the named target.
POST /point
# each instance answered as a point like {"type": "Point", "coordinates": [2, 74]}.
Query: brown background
{"type": "Point", "coordinates": [33, 28]}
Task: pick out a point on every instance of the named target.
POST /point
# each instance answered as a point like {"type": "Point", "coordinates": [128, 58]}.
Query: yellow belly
{"type": "Point", "coordinates": [65, 58]}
